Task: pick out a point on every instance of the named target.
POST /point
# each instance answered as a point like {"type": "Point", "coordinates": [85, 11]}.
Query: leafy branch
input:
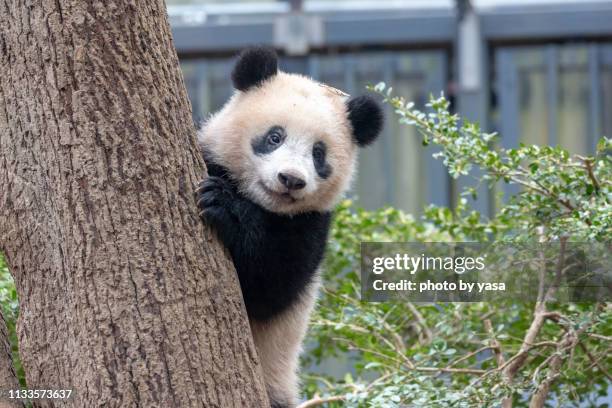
{"type": "Point", "coordinates": [471, 354]}
{"type": "Point", "coordinates": [558, 189]}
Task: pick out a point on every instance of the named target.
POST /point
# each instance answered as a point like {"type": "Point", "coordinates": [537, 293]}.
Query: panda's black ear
{"type": "Point", "coordinates": [254, 65]}
{"type": "Point", "coordinates": [366, 117]}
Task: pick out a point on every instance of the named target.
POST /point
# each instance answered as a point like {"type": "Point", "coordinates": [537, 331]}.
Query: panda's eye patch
{"type": "Point", "coordinates": [270, 141]}
{"type": "Point", "coordinates": [319, 153]}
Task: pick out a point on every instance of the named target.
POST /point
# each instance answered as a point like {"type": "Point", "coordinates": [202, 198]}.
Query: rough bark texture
{"type": "Point", "coordinates": [125, 298]}
{"type": "Point", "coordinates": [8, 377]}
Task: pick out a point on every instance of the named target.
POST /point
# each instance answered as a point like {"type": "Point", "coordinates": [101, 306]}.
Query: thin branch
{"type": "Point", "coordinates": [378, 380]}
{"type": "Point", "coordinates": [450, 370]}
{"type": "Point", "coordinates": [544, 344]}
{"type": "Point", "coordinates": [427, 335]}
{"type": "Point", "coordinates": [600, 337]}
{"type": "Point", "coordinates": [559, 270]}
{"type": "Point", "coordinates": [540, 316]}
{"type": "Point", "coordinates": [518, 360]}
{"type": "Point", "coordinates": [353, 346]}
{"type": "Point", "coordinates": [324, 380]}
{"type": "Point", "coordinates": [469, 355]}
{"type": "Point", "coordinates": [499, 356]}
{"type": "Point", "coordinates": [379, 336]}
{"type": "Point", "coordinates": [594, 360]}
{"type": "Point", "coordinates": [409, 365]}
{"type": "Point", "coordinates": [520, 354]}
{"type": "Point", "coordinates": [546, 361]}
{"type": "Point", "coordinates": [542, 274]}
{"type": "Point", "coordinates": [555, 361]}
{"type": "Point", "coordinates": [588, 164]}
{"type": "Point", "coordinates": [316, 401]}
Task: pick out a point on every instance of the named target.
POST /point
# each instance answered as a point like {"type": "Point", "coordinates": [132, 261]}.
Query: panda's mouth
{"type": "Point", "coordinates": [284, 196]}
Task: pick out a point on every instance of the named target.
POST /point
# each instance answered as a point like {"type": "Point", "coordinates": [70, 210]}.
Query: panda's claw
{"type": "Point", "coordinates": [198, 190]}
{"type": "Point", "coordinates": [208, 200]}
{"type": "Point", "coordinates": [208, 182]}
{"type": "Point", "coordinates": [214, 198]}
{"type": "Point", "coordinates": [214, 183]}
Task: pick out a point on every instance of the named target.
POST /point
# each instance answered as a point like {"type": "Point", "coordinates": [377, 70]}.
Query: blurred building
{"type": "Point", "coordinates": [537, 71]}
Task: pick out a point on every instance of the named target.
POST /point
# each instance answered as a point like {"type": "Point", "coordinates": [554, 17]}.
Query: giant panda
{"type": "Point", "coordinates": [280, 154]}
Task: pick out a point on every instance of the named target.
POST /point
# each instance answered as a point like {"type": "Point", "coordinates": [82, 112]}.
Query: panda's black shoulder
{"type": "Point", "coordinates": [213, 168]}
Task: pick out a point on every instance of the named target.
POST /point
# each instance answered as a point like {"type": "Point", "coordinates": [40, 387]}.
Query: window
{"type": "Point", "coordinates": [554, 94]}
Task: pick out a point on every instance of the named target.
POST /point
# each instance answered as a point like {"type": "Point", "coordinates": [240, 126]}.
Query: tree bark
{"type": "Point", "coordinates": [8, 377]}
{"type": "Point", "coordinates": [125, 297]}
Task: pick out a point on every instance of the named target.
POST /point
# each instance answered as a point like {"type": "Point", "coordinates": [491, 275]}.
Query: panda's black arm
{"type": "Point", "coordinates": [238, 221]}
{"type": "Point", "coordinates": [275, 256]}
{"type": "Point", "coordinates": [234, 217]}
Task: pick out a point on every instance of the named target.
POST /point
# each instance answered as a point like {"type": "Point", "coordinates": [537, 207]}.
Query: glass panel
{"type": "Point", "coordinates": [191, 83]}
{"type": "Point", "coordinates": [297, 65]}
{"type": "Point", "coordinates": [573, 102]}
{"type": "Point", "coordinates": [533, 111]}
{"type": "Point", "coordinates": [373, 187]}
{"type": "Point", "coordinates": [409, 155]}
{"type": "Point", "coordinates": [219, 84]}
{"type": "Point", "coordinates": [571, 92]}
{"type": "Point", "coordinates": [331, 71]}
{"type": "Point", "coordinates": [606, 86]}
{"type": "Point", "coordinates": [606, 90]}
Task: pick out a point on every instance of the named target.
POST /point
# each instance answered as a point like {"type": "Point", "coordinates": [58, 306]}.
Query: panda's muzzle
{"type": "Point", "coordinates": [285, 196]}
{"type": "Point", "coordinates": [291, 182]}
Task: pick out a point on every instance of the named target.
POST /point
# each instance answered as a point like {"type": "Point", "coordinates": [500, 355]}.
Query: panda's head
{"type": "Point", "coordinates": [289, 142]}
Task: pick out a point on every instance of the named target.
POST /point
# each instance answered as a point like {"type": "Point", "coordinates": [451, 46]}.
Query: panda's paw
{"type": "Point", "coordinates": [215, 197]}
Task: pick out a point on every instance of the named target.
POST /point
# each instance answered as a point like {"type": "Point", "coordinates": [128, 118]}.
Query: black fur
{"type": "Point", "coordinates": [254, 66]}
{"type": "Point", "coordinates": [319, 157]}
{"type": "Point", "coordinates": [264, 145]}
{"type": "Point", "coordinates": [276, 404]}
{"type": "Point", "coordinates": [366, 117]}
{"type": "Point", "coordinates": [213, 168]}
{"type": "Point", "coordinates": [275, 256]}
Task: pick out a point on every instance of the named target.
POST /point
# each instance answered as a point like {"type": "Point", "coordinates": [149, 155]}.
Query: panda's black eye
{"type": "Point", "coordinates": [274, 138]}
{"type": "Point", "coordinates": [276, 135]}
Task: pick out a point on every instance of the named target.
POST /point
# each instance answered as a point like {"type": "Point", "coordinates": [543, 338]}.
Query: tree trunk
{"type": "Point", "coordinates": [8, 378]}
{"type": "Point", "coordinates": [125, 297]}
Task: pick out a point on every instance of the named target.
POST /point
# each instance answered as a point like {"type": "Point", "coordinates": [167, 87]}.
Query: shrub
{"type": "Point", "coordinates": [469, 354]}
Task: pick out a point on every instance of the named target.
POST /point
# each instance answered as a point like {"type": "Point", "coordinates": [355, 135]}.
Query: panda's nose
{"type": "Point", "coordinates": [291, 182]}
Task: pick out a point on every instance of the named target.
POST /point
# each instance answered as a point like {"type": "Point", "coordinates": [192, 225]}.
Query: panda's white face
{"type": "Point", "coordinates": [292, 169]}
{"type": "Point", "coordinates": [287, 143]}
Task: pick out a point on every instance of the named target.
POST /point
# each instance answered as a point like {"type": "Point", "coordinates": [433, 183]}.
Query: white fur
{"type": "Point", "coordinates": [279, 343]}
{"type": "Point", "coordinates": [293, 157]}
